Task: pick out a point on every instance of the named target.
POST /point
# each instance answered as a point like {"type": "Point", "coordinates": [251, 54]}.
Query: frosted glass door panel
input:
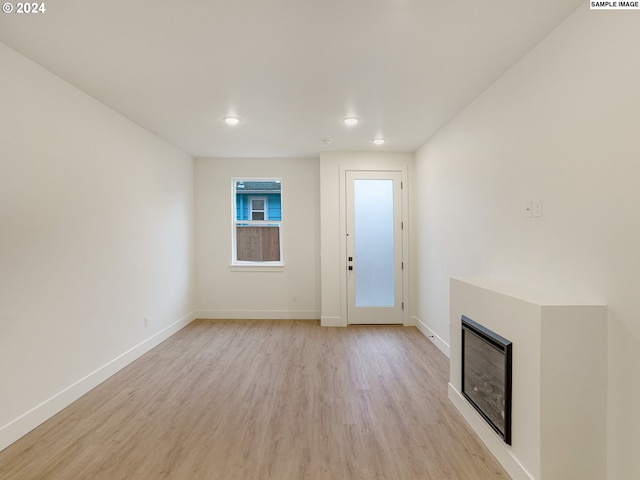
{"type": "Point", "coordinates": [373, 243]}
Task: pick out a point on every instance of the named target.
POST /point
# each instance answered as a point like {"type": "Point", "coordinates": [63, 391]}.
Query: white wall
{"type": "Point", "coordinates": [333, 243]}
{"type": "Point", "coordinates": [292, 291]}
{"type": "Point", "coordinates": [562, 126]}
{"type": "Point", "coordinates": [96, 232]}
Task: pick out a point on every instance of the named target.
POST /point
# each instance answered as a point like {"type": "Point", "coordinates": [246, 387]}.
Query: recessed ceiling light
{"type": "Point", "coordinates": [231, 120]}
{"type": "Point", "coordinates": [379, 141]}
{"type": "Point", "coordinates": [351, 121]}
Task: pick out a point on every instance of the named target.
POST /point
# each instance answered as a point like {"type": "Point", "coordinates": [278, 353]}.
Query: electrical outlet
{"type": "Point", "coordinates": [146, 321]}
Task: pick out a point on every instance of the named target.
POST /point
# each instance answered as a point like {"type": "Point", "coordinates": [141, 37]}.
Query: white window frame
{"type": "Point", "coordinates": [265, 204]}
{"type": "Point", "coordinates": [234, 222]}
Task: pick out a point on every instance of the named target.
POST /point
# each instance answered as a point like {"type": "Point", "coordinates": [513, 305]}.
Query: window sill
{"type": "Point", "coordinates": [273, 267]}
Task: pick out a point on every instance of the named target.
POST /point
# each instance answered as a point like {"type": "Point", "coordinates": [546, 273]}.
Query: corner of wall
{"type": "Point", "coordinates": [39, 414]}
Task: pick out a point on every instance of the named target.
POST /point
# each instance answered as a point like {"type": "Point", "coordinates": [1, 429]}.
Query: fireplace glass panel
{"type": "Point", "coordinates": [486, 375]}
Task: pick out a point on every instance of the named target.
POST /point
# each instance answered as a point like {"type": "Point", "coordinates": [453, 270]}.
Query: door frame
{"type": "Point", "coordinates": [405, 237]}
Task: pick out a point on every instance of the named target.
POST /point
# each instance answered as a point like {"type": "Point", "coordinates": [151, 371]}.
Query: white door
{"type": "Point", "coordinates": [374, 247]}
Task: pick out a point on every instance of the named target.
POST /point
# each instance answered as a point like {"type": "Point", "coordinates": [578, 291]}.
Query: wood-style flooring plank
{"type": "Point", "coordinates": [264, 399]}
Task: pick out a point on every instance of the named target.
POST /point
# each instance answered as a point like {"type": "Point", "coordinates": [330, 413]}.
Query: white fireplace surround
{"type": "Point", "coordinates": [559, 378]}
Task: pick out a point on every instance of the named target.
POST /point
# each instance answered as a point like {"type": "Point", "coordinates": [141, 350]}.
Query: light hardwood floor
{"type": "Point", "coordinates": [264, 399]}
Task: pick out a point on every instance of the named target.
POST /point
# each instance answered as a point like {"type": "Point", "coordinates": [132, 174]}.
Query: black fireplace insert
{"type": "Point", "coordinates": [486, 375]}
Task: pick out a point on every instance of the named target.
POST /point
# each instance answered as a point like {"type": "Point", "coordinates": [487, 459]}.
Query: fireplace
{"type": "Point", "coordinates": [486, 375]}
{"type": "Point", "coordinates": [558, 415]}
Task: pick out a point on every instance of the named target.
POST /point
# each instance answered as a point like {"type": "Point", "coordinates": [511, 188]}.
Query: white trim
{"type": "Point", "coordinates": [261, 314]}
{"type": "Point", "coordinates": [22, 425]}
{"type": "Point", "coordinates": [332, 322]}
{"type": "Point", "coordinates": [433, 336]}
{"type": "Point", "coordinates": [261, 267]}
{"type": "Point", "coordinates": [496, 446]}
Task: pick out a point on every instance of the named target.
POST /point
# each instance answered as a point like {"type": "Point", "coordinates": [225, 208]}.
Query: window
{"type": "Point", "coordinates": [257, 221]}
{"type": "Point", "coordinates": [258, 208]}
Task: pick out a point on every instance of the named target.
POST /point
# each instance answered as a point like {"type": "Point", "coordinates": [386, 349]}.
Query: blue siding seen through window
{"type": "Point", "coordinates": [274, 206]}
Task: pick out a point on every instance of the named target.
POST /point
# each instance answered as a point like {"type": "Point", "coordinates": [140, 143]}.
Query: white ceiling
{"type": "Point", "coordinates": [290, 69]}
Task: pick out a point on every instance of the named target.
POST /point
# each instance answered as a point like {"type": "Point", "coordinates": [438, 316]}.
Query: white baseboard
{"type": "Point", "coordinates": [332, 322]}
{"type": "Point", "coordinates": [431, 335]}
{"type": "Point", "coordinates": [258, 314]}
{"type": "Point", "coordinates": [22, 425]}
{"type": "Point", "coordinates": [496, 446]}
